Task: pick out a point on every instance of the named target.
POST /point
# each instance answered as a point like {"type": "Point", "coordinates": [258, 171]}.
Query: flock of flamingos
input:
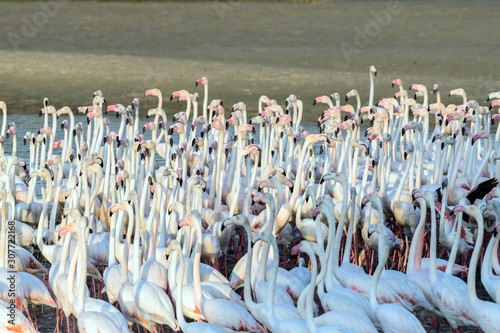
{"type": "Point", "coordinates": [382, 231]}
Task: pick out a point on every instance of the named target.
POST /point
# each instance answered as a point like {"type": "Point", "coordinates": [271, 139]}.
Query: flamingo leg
{"type": "Point", "coordinates": [67, 324]}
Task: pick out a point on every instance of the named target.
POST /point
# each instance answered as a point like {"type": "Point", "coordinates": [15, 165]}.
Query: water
{"type": "Point", "coordinates": [32, 123]}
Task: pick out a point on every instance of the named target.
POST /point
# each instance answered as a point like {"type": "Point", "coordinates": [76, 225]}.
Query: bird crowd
{"type": "Point", "coordinates": [390, 230]}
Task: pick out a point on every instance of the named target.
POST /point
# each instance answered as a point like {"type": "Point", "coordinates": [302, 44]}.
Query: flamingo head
{"type": "Point", "coordinates": [202, 80]}
{"type": "Point", "coordinates": [285, 119]}
{"type": "Point", "coordinates": [397, 82]}
{"type": "Point", "coordinates": [350, 94]}
{"type": "Point", "coordinates": [495, 117]}
{"type": "Point", "coordinates": [70, 228]}
{"type": "Point", "coordinates": [415, 87]}
{"type": "Point", "coordinates": [296, 249]}
{"type": "Point", "coordinates": [458, 91]}
{"type": "Point", "coordinates": [45, 130]}
{"type": "Point", "coordinates": [148, 126]}
{"type": "Point", "coordinates": [247, 127]}
{"type": "Point", "coordinates": [495, 102]}
{"type": "Point", "coordinates": [380, 114]}
{"type": "Point", "coordinates": [480, 135]}
{"type": "Point", "coordinates": [347, 108]}
{"type": "Point", "coordinates": [181, 94]}
{"type": "Point", "coordinates": [153, 92]}
{"type": "Point", "coordinates": [321, 99]}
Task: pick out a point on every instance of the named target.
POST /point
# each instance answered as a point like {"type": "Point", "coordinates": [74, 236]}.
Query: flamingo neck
{"type": "Point", "coordinates": [310, 290]}
{"type": "Point", "coordinates": [272, 286]}
{"type": "Point", "coordinates": [247, 292]}
{"type": "Point", "coordinates": [432, 266]}
{"type": "Point", "coordinates": [383, 254]}
{"type": "Point", "coordinates": [471, 275]}
{"type": "Point", "coordinates": [82, 266]}
{"type": "Point", "coordinates": [415, 254]}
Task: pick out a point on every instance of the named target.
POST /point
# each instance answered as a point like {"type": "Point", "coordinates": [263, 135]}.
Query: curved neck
{"type": "Point", "coordinates": [414, 247]}
{"type": "Point", "coordinates": [484, 162]}
{"type": "Point", "coordinates": [82, 266]}
{"type": "Point", "coordinates": [124, 268]}
{"type": "Point", "coordinates": [432, 266]}
{"type": "Point", "coordinates": [471, 275]}
{"type": "Point", "coordinates": [350, 229]}
{"type": "Point", "coordinates": [154, 227]}
{"type": "Point", "coordinates": [196, 267]}
{"type": "Point", "coordinates": [247, 292]}
{"type": "Point", "coordinates": [383, 253]}
{"type": "Point", "coordinates": [340, 229]}
{"type": "Point", "coordinates": [178, 305]}
{"type": "Point", "coordinates": [272, 285]}
{"type": "Point", "coordinates": [403, 178]}
{"type": "Point", "coordinates": [71, 276]}
{"type": "Point", "coordinates": [310, 290]}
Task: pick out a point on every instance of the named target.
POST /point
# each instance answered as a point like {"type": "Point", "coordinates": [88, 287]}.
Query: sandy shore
{"type": "Point", "coordinates": [67, 50]}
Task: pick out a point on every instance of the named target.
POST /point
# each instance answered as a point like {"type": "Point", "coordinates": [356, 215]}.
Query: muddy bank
{"type": "Point", "coordinates": [67, 50]}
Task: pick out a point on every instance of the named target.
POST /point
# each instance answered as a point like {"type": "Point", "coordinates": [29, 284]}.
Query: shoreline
{"type": "Point", "coordinates": [246, 49]}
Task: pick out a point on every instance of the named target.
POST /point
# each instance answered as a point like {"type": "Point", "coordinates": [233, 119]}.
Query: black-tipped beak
{"type": "Point", "coordinates": [442, 145]}
{"type": "Point", "coordinates": [196, 84]}
{"type": "Point", "coordinates": [393, 84]}
{"type": "Point", "coordinates": [346, 98]}
{"type": "Point", "coordinates": [405, 155]}
{"type": "Point", "coordinates": [171, 97]}
{"type": "Point", "coordinates": [40, 113]}
{"type": "Point", "coordinates": [314, 102]}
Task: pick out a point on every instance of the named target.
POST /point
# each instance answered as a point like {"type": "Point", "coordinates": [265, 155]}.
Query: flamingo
{"type": "Point", "coordinates": [217, 311]}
